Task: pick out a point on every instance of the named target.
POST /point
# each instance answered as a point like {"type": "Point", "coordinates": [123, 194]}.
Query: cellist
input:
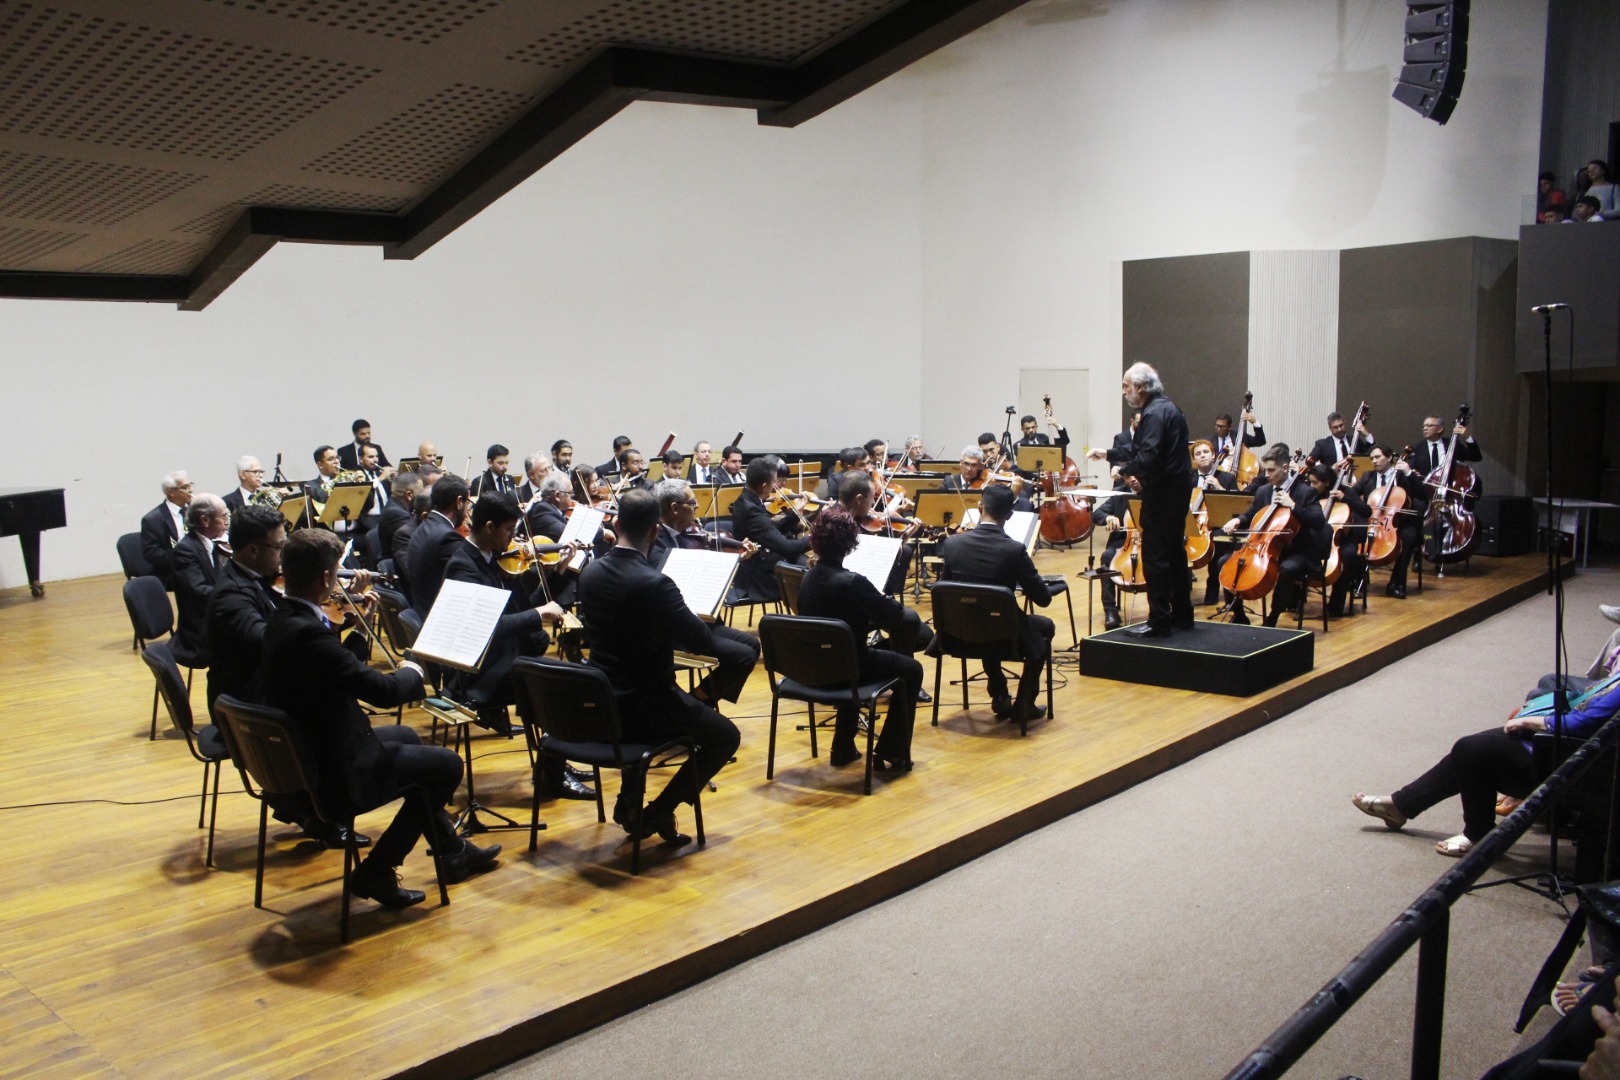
{"type": "Point", "coordinates": [1309, 548]}
{"type": "Point", "coordinates": [1348, 537]}
{"type": "Point", "coordinates": [1387, 471]}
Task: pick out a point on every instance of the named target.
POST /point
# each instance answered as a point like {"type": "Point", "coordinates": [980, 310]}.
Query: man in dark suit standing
{"type": "Point", "coordinates": [308, 674]}
{"type": "Point", "coordinates": [1160, 471]}
{"type": "Point", "coordinates": [435, 541]}
{"type": "Point", "coordinates": [634, 620]}
{"type": "Point", "coordinates": [750, 520]}
{"type": "Point", "coordinates": [163, 525]}
{"type": "Point", "coordinates": [351, 454]}
{"type": "Point", "coordinates": [1340, 443]}
{"type": "Point", "coordinates": [986, 555]}
{"type": "Point", "coordinates": [197, 558]}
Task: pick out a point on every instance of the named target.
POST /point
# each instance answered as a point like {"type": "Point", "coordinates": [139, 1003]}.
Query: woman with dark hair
{"type": "Point", "coordinates": [1602, 188]}
{"type": "Point", "coordinates": [832, 592]}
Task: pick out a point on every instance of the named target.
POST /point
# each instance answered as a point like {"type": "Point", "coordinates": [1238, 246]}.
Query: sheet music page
{"type": "Point", "coordinates": [873, 558]}
{"type": "Point", "coordinates": [458, 629]}
{"type": "Point", "coordinates": [702, 576]}
{"type": "Point", "coordinates": [584, 524]}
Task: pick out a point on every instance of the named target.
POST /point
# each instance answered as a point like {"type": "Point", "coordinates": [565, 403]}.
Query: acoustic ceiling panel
{"type": "Point", "coordinates": [148, 257]}
{"type": "Point", "coordinates": [289, 195]}
{"type": "Point", "coordinates": [764, 31]}
{"type": "Point", "coordinates": [59, 189]}
{"type": "Point", "coordinates": [421, 22]}
{"type": "Point", "coordinates": [21, 247]}
{"type": "Point", "coordinates": [428, 139]}
{"type": "Point", "coordinates": [76, 76]}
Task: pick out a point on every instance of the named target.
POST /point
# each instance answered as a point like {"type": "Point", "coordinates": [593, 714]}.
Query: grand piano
{"type": "Point", "coordinates": [27, 512]}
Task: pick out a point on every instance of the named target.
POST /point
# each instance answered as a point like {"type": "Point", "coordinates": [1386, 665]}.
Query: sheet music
{"type": "Point", "coordinates": [702, 576]}
{"type": "Point", "coordinates": [584, 524]}
{"type": "Point", "coordinates": [873, 558]}
{"type": "Point", "coordinates": [458, 629]}
{"type": "Point", "coordinates": [1022, 527]}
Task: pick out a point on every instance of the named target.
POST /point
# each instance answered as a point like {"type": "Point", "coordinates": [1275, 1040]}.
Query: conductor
{"type": "Point", "coordinates": [1157, 467]}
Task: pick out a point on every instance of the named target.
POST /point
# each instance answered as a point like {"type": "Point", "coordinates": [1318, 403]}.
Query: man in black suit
{"type": "Point", "coordinates": [703, 466]}
{"type": "Point", "coordinates": [1340, 443]}
{"type": "Point", "coordinates": [1308, 550]}
{"type": "Point", "coordinates": [1225, 442]}
{"type": "Point", "coordinates": [1388, 471]}
{"type": "Point", "coordinates": [986, 555]}
{"type": "Point", "coordinates": [1206, 476]}
{"type": "Point", "coordinates": [1427, 455]}
{"type": "Point", "coordinates": [163, 525]}
{"type": "Point", "coordinates": [631, 466]}
{"type": "Point", "coordinates": [351, 455]}
{"type": "Point", "coordinates": [750, 520]}
{"type": "Point", "coordinates": [249, 478]}
{"type": "Point", "coordinates": [1347, 537]}
{"type": "Point", "coordinates": [611, 465]}
{"type": "Point", "coordinates": [308, 674]}
{"type": "Point", "coordinates": [966, 478]}
{"type": "Point", "coordinates": [1160, 471]}
{"type": "Point", "coordinates": [197, 558]}
{"type": "Point", "coordinates": [562, 455]}
{"type": "Point", "coordinates": [435, 541]}
{"type": "Point", "coordinates": [495, 479]}
{"type": "Point", "coordinates": [634, 620]}
{"type": "Point", "coordinates": [399, 513]}
{"type": "Point", "coordinates": [536, 467]}
{"type": "Point", "coordinates": [327, 467]}
{"type": "Point", "coordinates": [731, 472]}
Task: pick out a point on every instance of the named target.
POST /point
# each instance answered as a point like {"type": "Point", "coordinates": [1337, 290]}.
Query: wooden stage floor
{"type": "Point", "coordinates": [121, 955]}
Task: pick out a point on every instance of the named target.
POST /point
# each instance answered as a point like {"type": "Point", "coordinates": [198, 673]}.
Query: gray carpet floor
{"type": "Point", "coordinates": [1165, 932]}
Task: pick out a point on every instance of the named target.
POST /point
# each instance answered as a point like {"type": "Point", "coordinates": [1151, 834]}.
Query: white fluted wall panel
{"type": "Point", "coordinates": [1293, 341]}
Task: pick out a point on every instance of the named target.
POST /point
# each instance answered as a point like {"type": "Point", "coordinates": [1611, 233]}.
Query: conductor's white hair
{"type": "Point", "coordinates": [1145, 378]}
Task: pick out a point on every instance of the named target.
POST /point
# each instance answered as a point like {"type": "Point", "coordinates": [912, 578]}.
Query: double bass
{"type": "Point", "coordinates": [1450, 523]}
{"type": "Point", "coordinates": [1253, 569]}
{"type": "Point", "coordinates": [1065, 519]}
{"type": "Point", "coordinates": [1240, 460]}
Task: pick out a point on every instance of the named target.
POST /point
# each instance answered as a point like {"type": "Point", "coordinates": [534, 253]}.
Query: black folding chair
{"type": "Point", "coordinates": [575, 717]}
{"type": "Point", "coordinates": [206, 743]}
{"type": "Point", "coordinates": [152, 615]}
{"type": "Point", "coordinates": [131, 558]}
{"type": "Point", "coordinates": [274, 761]}
{"type": "Point", "coordinates": [814, 661]}
{"type": "Point", "coordinates": [978, 622]}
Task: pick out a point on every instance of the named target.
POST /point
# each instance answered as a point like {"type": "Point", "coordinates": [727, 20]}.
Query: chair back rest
{"type": "Point", "coordinates": [150, 612]}
{"type": "Point", "coordinates": [272, 752]}
{"type": "Point", "coordinates": [386, 566]}
{"type": "Point", "coordinates": [789, 576]}
{"type": "Point", "coordinates": [976, 614]}
{"type": "Point", "coordinates": [392, 608]}
{"type": "Point", "coordinates": [171, 686]}
{"type": "Point", "coordinates": [369, 548]}
{"type": "Point", "coordinates": [130, 556]}
{"type": "Point", "coordinates": [571, 702]}
{"type": "Point", "coordinates": [817, 652]}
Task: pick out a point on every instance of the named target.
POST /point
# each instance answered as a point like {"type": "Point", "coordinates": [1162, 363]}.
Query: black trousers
{"type": "Point", "coordinates": [1164, 555]}
{"type": "Point", "coordinates": [1110, 590]}
{"type": "Point", "coordinates": [738, 653]}
{"type": "Point", "coordinates": [682, 714]}
{"type": "Point", "coordinates": [431, 768]}
{"type": "Point", "coordinates": [1353, 569]}
{"type": "Point", "coordinates": [1478, 767]}
{"type": "Point", "coordinates": [894, 660]}
{"type": "Point", "coordinates": [1037, 639]}
{"type": "Point", "coordinates": [1291, 572]}
{"type": "Point", "coordinates": [1411, 536]}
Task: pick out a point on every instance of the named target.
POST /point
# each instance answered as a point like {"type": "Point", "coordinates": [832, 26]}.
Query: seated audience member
{"type": "Point", "coordinates": [1493, 760]}
{"type": "Point", "coordinates": [830, 591]}
{"type": "Point", "coordinates": [309, 675]}
{"type": "Point", "coordinates": [1553, 215]}
{"type": "Point", "coordinates": [164, 525]}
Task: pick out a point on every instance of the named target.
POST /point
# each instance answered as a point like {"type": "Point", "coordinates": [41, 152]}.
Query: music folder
{"type": "Point", "coordinates": [458, 629]}
{"type": "Point", "coordinates": [346, 503]}
{"type": "Point", "coordinates": [873, 558]}
{"type": "Point", "coordinates": [703, 577]}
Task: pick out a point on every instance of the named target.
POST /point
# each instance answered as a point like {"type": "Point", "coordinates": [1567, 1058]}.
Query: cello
{"type": "Point", "coordinates": [1127, 561]}
{"type": "Point", "coordinates": [1450, 522]}
{"type": "Point", "coordinates": [1200, 549]}
{"type": "Point", "coordinates": [1065, 519]}
{"type": "Point", "coordinates": [1338, 516]}
{"type": "Point", "coordinates": [1252, 570]}
{"type": "Point", "coordinates": [1383, 541]}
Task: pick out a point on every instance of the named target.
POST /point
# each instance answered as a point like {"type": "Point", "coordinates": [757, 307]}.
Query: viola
{"type": "Point", "coordinates": [1450, 519]}
{"type": "Point", "coordinates": [1253, 569]}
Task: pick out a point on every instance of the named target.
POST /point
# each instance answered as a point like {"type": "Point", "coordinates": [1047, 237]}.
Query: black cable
{"type": "Point", "coordinates": [109, 802]}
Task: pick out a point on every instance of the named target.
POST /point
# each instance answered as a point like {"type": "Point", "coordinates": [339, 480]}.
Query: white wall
{"type": "Point", "coordinates": [685, 268]}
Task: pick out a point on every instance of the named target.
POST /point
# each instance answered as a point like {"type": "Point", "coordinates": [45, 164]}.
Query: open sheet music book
{"type": "Point", "coordinates": [703, 577]}
{"type": "Point", "coordinates": [1024, 527]}
{"type": "Point", "coordinates": [873, 558]}
{"type": "Point", "coordinates": [584, 525]}
{"type": "Point", "coordinates": [458, 629]}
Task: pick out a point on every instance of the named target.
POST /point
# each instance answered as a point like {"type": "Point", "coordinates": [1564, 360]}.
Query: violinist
{"type": "Point", "coordinates": [435, 540]}
{"type": "Point", "coordinates": [855, 495]}
{"type": "Point", "coordinates": [1307, 550]}
{"type": "Point", "coordinates": [494, 480]}
{"type": "Point", "coordinates": [1340, 443]}
{"type": "Point", "coordinates": [547, 518]}
{"type": "Point", "coordinates": [750, 520]}
{"type": "Point", "coordinates": [999, 471]}
{"type": "Point", "coordinates": [877, 453]}
{"type": "Point", "coordinates": [851, 459]}
{"type": "Point", "coordinates": [971, 476]}
{"type": "Point", "coordinates": [678, 526]}
{"type": "Point", "coordinates": [1389, 471]}
{"type": "Point", "coordinates": [1348, 537]}
{"type": "Point", "coordinates": [911, 455]}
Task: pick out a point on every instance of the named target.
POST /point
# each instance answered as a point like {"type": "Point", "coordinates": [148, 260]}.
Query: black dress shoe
{"type": "Point", "coordinates": [470, 860]}
{"type": "Point", "coordinates": [924, 697]}
{"type": "Point", "coordinates": [1184, 624]}
{"type": "Point", "coordinates": [584, 776]}
{"type": "Point", "coordinates": [1146, 631]}
{"type": "Point", "coordinates": [1029, 714]}
{"type": "Point", "coordinates": [839, 756]}
{"type": "Point", "coordinates": [382, 886]}
{"type": "Point", "coordinates": [1111, 620]}
{"type": "Point", "coordinates": [1397, 591]}
{"type": "Point", "coordinates": [663, 823]}
{"type": "Point", "coordinates": [569, 788]}
{"type": "Point", "coordinates": [495, 719]}
{"type": "Point", "coordinates": [332, 837]}
{"type": "Point", "coordinates": [1001, 706]}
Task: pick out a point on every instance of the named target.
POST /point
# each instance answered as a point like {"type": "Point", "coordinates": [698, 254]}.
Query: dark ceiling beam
{"type": "Point", "coordinates": [259, 228]}
{"type": "Point", "coordinates": [867, 57]}
{"type": "Point", "coordinates": [612, 80]}
{"type": "Point", "coordinates": [134, 288]}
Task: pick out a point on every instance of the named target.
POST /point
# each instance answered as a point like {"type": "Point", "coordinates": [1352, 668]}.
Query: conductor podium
{"type": "Point", "coordinates": [1214, 658]}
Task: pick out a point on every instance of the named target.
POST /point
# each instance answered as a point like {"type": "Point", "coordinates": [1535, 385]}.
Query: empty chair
{"type": "Point", "coordinates": [152, 617]}
{"type": "Point", "coordinates": [978, 622]}
{"type": "Point", "coordinates": [206, 743]}
{"type": "Point", "coordinates": [131, 558]}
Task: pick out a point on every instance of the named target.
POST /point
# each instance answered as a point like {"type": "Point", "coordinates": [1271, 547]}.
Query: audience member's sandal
{"type": "Point", "coordinates": [1455, 846]}
{"type": "Point", "coordinates": [1381, 807]}
{"type": "Point", "coordinates": [1566, 995]}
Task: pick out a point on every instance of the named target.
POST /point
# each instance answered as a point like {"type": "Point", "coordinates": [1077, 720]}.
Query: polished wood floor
{"type": "Point", "coordinates": [122, 955]}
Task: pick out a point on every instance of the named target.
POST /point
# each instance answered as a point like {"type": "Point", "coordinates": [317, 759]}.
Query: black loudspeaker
{"type": "Point", "coordinates": [1436, 56]}
{"type": "Point", "coordinates": [1506, 523]}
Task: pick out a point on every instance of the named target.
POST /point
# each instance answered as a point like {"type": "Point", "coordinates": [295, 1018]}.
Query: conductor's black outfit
{"type": "Point", "coordinates": [1159, 462]}
{"type": "Point", "coordinates": [634, 621]}
{"type": "Point", "coordinates": [986, 555]}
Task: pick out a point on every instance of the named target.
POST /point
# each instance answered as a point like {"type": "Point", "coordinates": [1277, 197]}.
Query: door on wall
{"type": "Point", "coordinates": [1071, 401]}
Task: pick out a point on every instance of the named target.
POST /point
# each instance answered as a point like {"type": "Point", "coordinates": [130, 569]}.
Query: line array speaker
{"type": "Point", "coordinates": [1435, 59]}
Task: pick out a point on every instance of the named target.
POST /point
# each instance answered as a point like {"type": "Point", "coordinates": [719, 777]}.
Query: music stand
{"type": "Point", "coordinates": [801, 471]}
{"type": "Point", "coordinates": [345, 504]}
{"type": "Point", "coordinates": [1037, 459]}
{"type": "Point", "coordinates": [712, 499]}
{"type": "Point", "coordinates": [945, 468]}
{"type": "Point", "coordinates": [944, 509]}
{"type": "Point", "coordinates": [295, 508]}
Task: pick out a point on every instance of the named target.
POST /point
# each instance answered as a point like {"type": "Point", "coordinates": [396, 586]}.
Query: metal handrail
{"type": "Point", "coordinates": [1426, 920]}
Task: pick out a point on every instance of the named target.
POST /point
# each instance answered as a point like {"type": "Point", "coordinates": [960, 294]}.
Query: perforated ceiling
{"type": "Point", "coordinates": [133, 134]}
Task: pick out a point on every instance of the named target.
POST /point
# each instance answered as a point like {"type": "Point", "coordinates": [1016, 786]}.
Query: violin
{"type": "Point", "coordinates": [1065, 519]}
{"type": "Point", "coordinates": [1383, 541]}
{"type": "Point", "coordinates": [1253, 569]}
{"type": "Point", "coordinates": [699, 537]}
{"type": "Point", "coordinates": [883, 525]}
{"type": "Point", "coordinates": [524, 555]}
{"type": "Point", "coordinates": [1451, 523]}
{"type": "Point", "coordinates": [782, 499]}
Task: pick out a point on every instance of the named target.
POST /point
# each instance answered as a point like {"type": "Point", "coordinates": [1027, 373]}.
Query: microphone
{"type": "Point", "coordinates": [1547, 309]}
